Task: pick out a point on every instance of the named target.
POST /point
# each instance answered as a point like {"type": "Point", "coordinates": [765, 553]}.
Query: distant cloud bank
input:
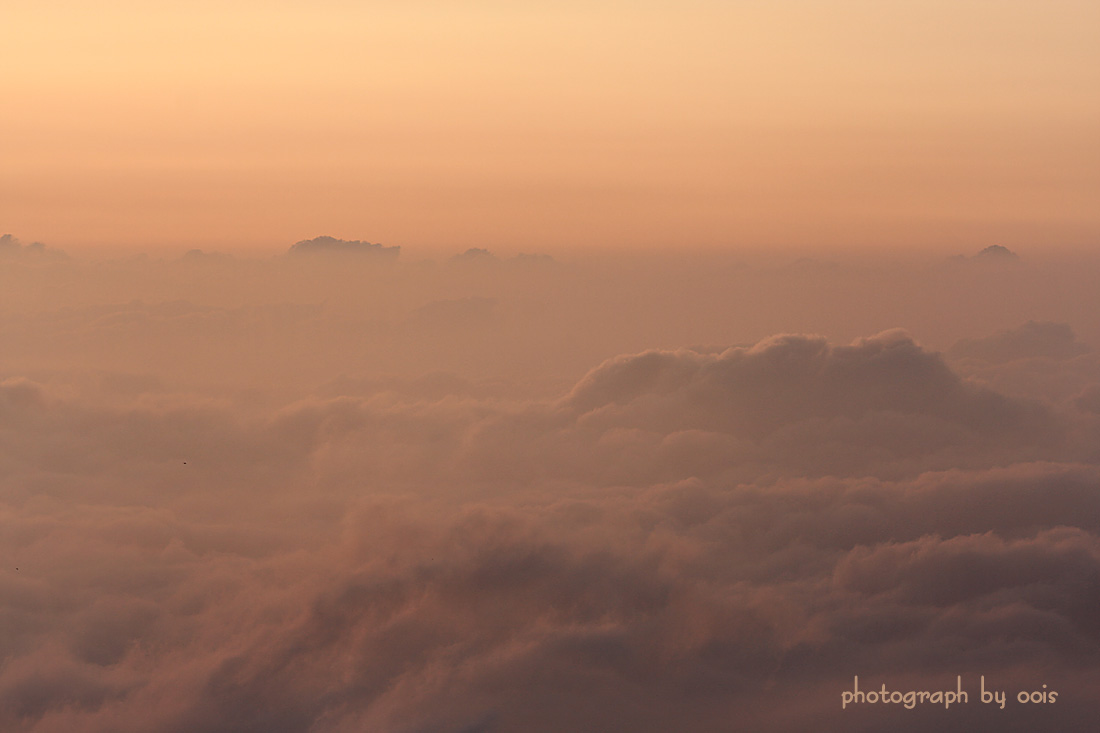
{"type": "Point", "coordinates": [333, 246]}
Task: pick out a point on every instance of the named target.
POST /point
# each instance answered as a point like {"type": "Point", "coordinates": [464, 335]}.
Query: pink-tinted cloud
{"type": "Point", "coordinates": [683, 539]}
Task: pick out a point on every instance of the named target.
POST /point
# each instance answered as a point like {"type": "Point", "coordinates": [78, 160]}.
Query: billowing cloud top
{"type": "Point", "coordinates": [1032, 340]}
{"type": "Point", "coordinates": [11, 248]}
{"type": "Point", "coordinates": [331, 245]}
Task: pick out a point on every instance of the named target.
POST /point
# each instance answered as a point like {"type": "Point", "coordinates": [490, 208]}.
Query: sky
{"type": "Point", "coordinates": [794, 124]}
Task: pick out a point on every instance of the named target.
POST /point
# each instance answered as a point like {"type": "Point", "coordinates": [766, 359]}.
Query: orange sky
{"type": "Point", "coordinates": [542, 125]}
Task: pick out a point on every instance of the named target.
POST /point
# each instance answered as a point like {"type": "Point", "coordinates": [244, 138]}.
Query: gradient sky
{"type": "Point", "coordinates": [539, 125]}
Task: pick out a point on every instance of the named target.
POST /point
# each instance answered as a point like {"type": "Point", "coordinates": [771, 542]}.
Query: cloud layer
{"type": "Point", "coordinates": [679, 539]}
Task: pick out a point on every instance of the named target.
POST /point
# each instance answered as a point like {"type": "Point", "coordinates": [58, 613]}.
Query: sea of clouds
{"type": "Point", "coordinates": [344, 490]}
